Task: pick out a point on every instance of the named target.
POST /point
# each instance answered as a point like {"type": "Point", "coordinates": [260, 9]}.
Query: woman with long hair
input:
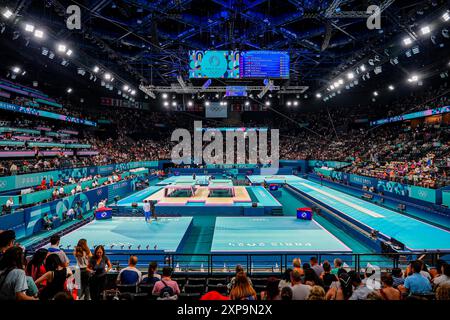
{"type": "Point", "coordinates": [98, 266]}
{"type": "Point", "coordinates": [56, 277]}
{"type": "Point", "coordinates": [82, 254]}
{"type": "Point", "coordinates": [242, 289]}
{"type": "Point", "coordinates": [36, 266]}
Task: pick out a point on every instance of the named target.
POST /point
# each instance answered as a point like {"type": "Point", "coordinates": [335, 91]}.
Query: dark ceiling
{"type": "Point", "coordinates": [147, 41]}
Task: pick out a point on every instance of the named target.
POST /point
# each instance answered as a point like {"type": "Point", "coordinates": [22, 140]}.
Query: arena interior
{"type": "Point", "coordinates": [224, 150]}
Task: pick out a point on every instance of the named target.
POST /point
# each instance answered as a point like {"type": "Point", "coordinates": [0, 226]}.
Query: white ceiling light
{"type": "Point", "coordinates": [96, 69]}
{"type": "Point", "coordinates": [69, 90]}
{"type": "Point", "coordinates": [107, 76]}
{"type": "Point", "coordinates": [446, 16]}
{"type": "Point", "coordinates": [165, 95]}
{"type": "Point", "coordinates": [318, 95]}
{"type": "Point", "coordinates": [7, 13]}
{"type": "Point", "coordinates": [425, 30]}
{"type": "Point", "coordinates": [375, 93]}
{"type": "Point", "coordinates": [267, 103]}
{"type": "Point", "coordinates": [29, 27]}
{"type": "Point", "coordinates": [190, 103]}
{"type": "Point", "coordinates": [407, 41]}
{"type": "Point", "coordinates": [16, 69]}
{"type": "Point", "coordinates": [69, 52]}
{"type": "Point", "coordinates": [62, 47]}
{"type": "Point", "coordinates": [125, 88]}
{"type": "Point", "coordinates": [362, 68]}
{"type": "Point", "coordinates": [207, 103]}
{"type": "Point", "coordinates": [133, 92]}
{"type": "Point", "coordinates": [39, 34]}
{"type": "Point", "coordinates": [350, 75]}
{"type": "Point", "coordinates": [166, 103]}
{"type": "Point", "coordinates": [391, 87]}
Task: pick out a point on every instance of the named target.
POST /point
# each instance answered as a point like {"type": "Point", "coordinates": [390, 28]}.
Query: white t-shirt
{"type": "Point", "coordinates": [9, 203]}
{"type": "Point", "coordinates": [147, 207]}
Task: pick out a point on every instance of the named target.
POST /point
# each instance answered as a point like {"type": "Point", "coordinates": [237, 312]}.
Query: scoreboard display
{"type": "Point", "coordinates": [264, 64]}
{"type": "Point", "coordinates": [239, 64]}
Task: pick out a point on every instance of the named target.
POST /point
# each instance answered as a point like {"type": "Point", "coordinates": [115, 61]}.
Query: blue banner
{"type": "Point", "coordinates": [424, 194]}
{"type": "Point", "coordinates": [361, 181]}
{"type": "Point", "coordinates": [393, 187]}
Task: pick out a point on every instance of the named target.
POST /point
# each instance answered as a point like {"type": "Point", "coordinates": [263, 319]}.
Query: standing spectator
{"type": "Point", "coordinates": [297, 265]}
{"type": "Point", "coordinates": [272, 291]}
{"type": "Point", "coordinates": [82, 254]}
{"type": "Point", "coordinates": [9, 204]}
{"type": "Point", "coordinates": [56, 277]}
{"type": "Point", "coordinates": [55, 249]}
{"type": "Point", "coordinates": [146, 210]}
{"type": "Point", "coordinates": [342, 289]}
{"type": "Point", "coordinates": [99, 265]}
{"type": "Point", "coordinates": [300, 291]}
{"type": "Point", "coordinates": [130, 275]}
{"type": "Point", "coordinates": [337, 266]}
{"type": "Point", "coordinates": [36, 267]}
{"type": "Point", "coordinates": [286, 279]}
{"type": "Point", "coordinates": [167, 287]}
{"type": "Point", "coordinates": [318, 269]}
{"type": "Point", "coordinates": [242, 289]}
{"type": "Point", "coordinates": [13, 280]}
{"type": "Point", "coordinates": [327, 277]}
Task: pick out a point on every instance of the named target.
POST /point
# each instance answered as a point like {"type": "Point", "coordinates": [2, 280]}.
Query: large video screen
{"type": "Point", "coordinates": [214, 64]}
{"type": "Point", "coordinates": [239, 64]}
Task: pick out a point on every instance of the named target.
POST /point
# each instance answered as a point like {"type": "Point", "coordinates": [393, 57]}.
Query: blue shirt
{"type": "Point", "coordinates": [417, 284]}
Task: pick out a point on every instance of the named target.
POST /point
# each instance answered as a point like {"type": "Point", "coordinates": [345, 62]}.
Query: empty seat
{"type": "Point", "coordinates": [196, 281]}
{"type": "Point", "coordinates": [223, 289]}
{"type": "Point", "coordinates": [194, 288]}
{"type": "Point", "coordinates": [217, 281]}
{"type": "Point", "coordinates": [189, 297]}
{"type": "Point", "coordinates": [146, 288]}
{"type": "Point", "coordinates": [127, 288]}
{"type": "Point", "coordinates": [259, 281]}
{"type": "Point", "coordinates": [181, 281]}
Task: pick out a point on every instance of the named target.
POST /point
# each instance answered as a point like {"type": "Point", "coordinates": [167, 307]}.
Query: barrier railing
{"type": "Point", "coordinates": [215, 263]}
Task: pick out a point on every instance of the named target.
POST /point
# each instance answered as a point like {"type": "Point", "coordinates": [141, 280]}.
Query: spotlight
{"type": "Point", "coordinates": [318, 95]}
{"type": "Point", "coordinates": [69, 90]}
{"type": "Point", "coordinates": [267, 103]}
{"type": "Point", "coordinates": [190, 103]}
{"type": "Point", "coordinates": [425, 30]}
{"type": "Point", "coordinates": [289, 103]}
{"type": "Point", "coordinates": [362, 68]}
{"type": "Point", "coordinates": [350, 75]}
{"type": "Point", "coordinates": [107, 76]}
{"type": "Point", "coordinates": [69, 52]}
{"type": "Point", "coordinates": [225, 103]}
{"type": "Point", "coordinates": [39, 34]}
{"type": "Point", "coordinates": [133, 92]}
{"type": "Point", "coordinates": [29, 27]}
{"type": "Point", "coordinates": [446, 16]}
{"type": "Point", "coordinates": [174, 103]}
{"type": "Point", "coordinates": [340, 81]}
{"type": "Point", "coordinates": [166, 103]}
{"type": "Point", "coordinates": [336, 84]}
{"type": "Point", "coordinates": [247, 103]}
{"type": "Point", "coordinates": [207, 103]}
{"type": "Point", "coordinates": [391, 87]}
{"type": "Point", "coordinates": [407, 41]}
{"type": "Point", "coordinates": [16, 69]}
{"type": "Point", "coordinates": [96, 69]}
{"type": "Point", "coordinates": [165, 95]}
{"type": "Point", "coordinates": [375, 93]}
{"type": "Point", "coordinates": [295, 103]}
{"type": "Point", "coordinates": [7, 13]}
{"type": "Point", "coordinates": [62, 48]}
{"type": "Point", "coordinates": [332, 87]}
{"type": "Point", "coordinates": [413, 78]}
{"type": "Point", "coordinates": [125, 88]}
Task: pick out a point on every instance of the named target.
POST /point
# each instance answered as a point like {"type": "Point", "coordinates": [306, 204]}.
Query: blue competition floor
{"type": "Point", "coordinates": [272, 235]}
{"type": "Point", "coordinates": [415, 234]}
{"type": "Point", "coordinates": [166, 233]}
{"type": "Point", "coordinates": [138, 197]}
{"type": "Point", "coordinates": [258, 179]}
